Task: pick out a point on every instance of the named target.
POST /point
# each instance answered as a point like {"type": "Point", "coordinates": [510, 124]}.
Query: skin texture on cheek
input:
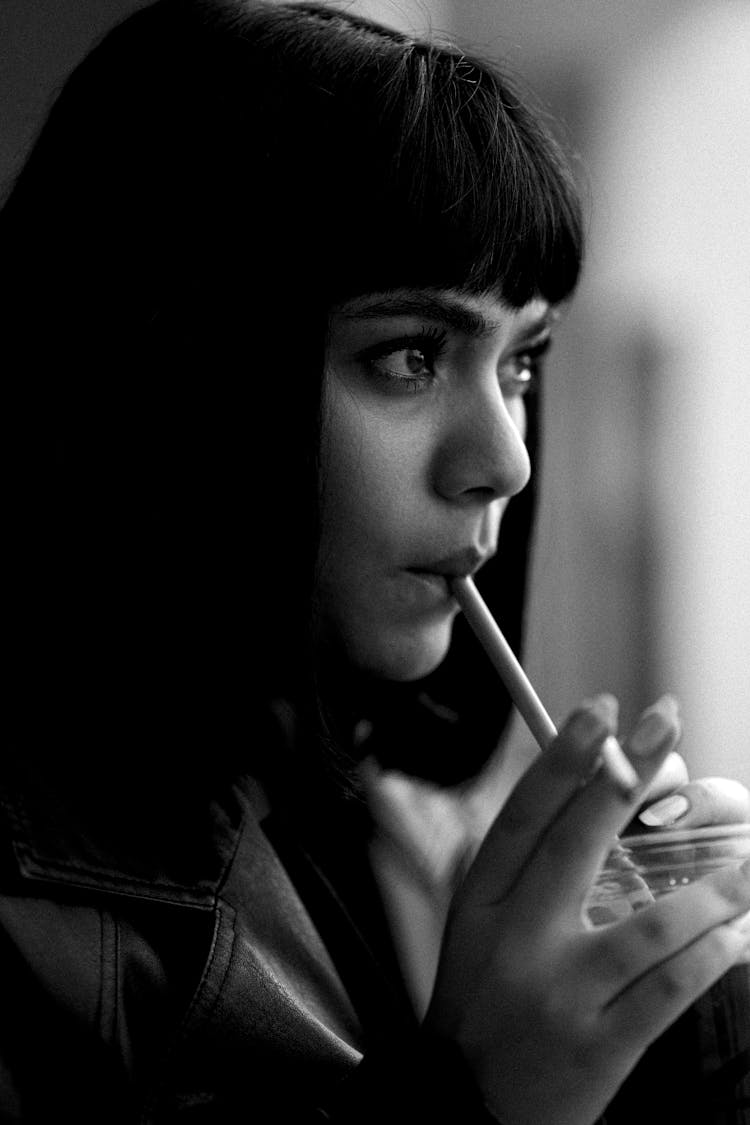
{"type": "Point", "coordinates": [376, 505]}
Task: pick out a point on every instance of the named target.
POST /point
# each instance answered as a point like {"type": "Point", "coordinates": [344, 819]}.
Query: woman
{"type": "Point", "coordinates": [279, 283]}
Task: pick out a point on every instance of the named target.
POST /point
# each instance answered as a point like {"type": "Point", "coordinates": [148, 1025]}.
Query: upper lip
{"type": "Point", "coordinates": [457, 565]}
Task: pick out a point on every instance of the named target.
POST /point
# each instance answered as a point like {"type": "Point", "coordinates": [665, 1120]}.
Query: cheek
{"type": "Point", "coordinates": [367, 474]}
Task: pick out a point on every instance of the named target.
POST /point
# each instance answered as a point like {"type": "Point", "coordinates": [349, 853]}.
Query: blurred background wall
{"type": "Point", "coordinates": [642, 568]}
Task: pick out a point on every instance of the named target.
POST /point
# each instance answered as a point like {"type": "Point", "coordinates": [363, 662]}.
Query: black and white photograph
{"type": "Point", "coordinates": [376, 530]}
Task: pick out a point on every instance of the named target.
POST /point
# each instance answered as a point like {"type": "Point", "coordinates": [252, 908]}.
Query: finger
{"type": "Point", "coordinates": [620, 954]}
{"type": "Point", "coordinates": [707, 800]}
{"type": "Point", "coordinates": [672, 775]}
{"type": "Point", "coordinates": [543, 791]}
{"type": "Point", "coordinates": [569, 855]}
{"type": "Point", "coordinates": [647, 1008]}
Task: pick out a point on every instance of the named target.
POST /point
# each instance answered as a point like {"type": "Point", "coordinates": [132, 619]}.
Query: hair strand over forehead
{"type": "Point", "coordinates": [454, 183]}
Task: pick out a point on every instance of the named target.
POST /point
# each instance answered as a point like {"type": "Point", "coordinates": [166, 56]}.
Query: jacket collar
{"type": "Point", "coordinates": [92, 843]}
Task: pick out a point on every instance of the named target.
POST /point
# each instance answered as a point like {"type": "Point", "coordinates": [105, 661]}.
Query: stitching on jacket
{"type": "Point", "coordinates": [37, 865]}
{"type": "Point", "coordinates": [42, 865]}
{"type": "Point", "coordinates": [222, 944]}
{"type": "Point", "coordinates": [109, 972]}
{"type": "Point", "coordinates": [216, 947]}
{"type": "Point", "coordinates": [221, 881]}
{"type": "Point", "coordinates": [42, 869]}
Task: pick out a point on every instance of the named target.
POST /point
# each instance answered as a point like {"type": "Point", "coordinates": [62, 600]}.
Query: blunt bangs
{"type": "Point", "coordinates": [488, 185]}
{"type": "Point", "coordinates": [427, 168]}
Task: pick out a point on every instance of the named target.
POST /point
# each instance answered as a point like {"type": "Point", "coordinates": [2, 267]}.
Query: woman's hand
{"type": "Point", "coordinates": [674, 801]}
{"type": "Point", "coordinates": [550, 1013]}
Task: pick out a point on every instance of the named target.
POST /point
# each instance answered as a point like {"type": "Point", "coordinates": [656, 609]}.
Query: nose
{"type": "Point", "coordinates": [483, 455]}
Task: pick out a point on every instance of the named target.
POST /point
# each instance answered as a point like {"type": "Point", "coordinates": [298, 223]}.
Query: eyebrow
{"type": "Point", "coordinates": [439, 307]}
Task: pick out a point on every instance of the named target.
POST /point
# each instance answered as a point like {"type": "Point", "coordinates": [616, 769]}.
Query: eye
{"type": "Point", "coordinates": [407, 364]}
{"type": "Point", "coordinates": [520, 374]}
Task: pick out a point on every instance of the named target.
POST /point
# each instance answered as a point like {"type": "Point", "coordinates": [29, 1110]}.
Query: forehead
{"type": "Point", "coordinates": [476, 315]}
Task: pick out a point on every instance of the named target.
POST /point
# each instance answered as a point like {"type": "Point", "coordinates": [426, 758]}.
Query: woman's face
{"type": "Point", "coordinates": [423, 446]}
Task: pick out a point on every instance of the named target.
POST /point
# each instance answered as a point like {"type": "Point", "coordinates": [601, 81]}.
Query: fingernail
{"type": "Point", "coordinates": [667, 811]}
{"type": "Point", "coordinates": [593, 719]}
{"type": "Point", "coordinates": [604, 706]}
{"type": "Point", "coordinates": [658, 723]}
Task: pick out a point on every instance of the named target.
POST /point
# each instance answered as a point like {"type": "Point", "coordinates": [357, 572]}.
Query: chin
{"type": "Point", "coordinates": [406, 658]}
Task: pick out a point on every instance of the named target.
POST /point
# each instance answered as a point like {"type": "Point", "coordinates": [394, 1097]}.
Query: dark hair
{"type": "Point", "coordinates": [213, 177]}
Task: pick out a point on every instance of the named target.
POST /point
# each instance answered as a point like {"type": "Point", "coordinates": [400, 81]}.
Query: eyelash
{"type": "Point", "coordinates": [430, 343]}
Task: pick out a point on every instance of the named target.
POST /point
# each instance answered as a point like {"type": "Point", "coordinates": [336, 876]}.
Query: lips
{"type": "Point", "coordinates": [456, 565]}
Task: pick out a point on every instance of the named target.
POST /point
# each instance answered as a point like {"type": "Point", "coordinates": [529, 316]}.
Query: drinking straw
{"type": "Point", "coordinates": [519, 686]}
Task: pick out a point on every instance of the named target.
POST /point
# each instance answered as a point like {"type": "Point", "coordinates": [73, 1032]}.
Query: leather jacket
{"type": "Point", "coordinates": [167, 970]}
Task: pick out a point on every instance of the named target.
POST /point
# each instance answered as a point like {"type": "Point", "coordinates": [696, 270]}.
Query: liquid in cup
{"type": "Point", "coordinates": [698, 1071]}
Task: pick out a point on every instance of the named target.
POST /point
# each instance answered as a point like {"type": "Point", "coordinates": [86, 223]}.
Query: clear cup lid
{"type": "Point", "coordinates": [661, 837]}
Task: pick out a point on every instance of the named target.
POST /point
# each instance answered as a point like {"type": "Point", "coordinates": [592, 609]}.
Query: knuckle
{"type": "Point", "coordinates": [652, 926]}
{"type": "Point", "coordinates": [733, 888]}
{"type": "Point", "coordinates": [669, 984]}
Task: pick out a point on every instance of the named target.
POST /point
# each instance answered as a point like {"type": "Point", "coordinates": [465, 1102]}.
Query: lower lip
{"type": "Point", "coordinates": [436, 584]}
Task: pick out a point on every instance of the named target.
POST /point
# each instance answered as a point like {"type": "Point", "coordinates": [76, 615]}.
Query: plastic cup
{"type": "Point", "coordinates": [698, 1071]}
